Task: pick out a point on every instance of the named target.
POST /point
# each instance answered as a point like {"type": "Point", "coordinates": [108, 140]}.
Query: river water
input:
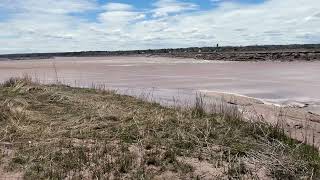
{"type": "Point", "coordinates": [168, 78]}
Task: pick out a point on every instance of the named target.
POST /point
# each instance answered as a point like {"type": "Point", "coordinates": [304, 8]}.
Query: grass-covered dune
{"type": "Point", "coordinates": [60, 132]}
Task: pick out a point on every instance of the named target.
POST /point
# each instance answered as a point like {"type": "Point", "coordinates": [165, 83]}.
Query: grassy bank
{"type": "Point", "coordinates": [59, 132]}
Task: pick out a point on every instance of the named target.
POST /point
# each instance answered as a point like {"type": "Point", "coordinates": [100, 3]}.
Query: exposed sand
{"type": "Point", "coordinates": [298, 122]}
{"type": "Point", "coordinates": [292, 86]}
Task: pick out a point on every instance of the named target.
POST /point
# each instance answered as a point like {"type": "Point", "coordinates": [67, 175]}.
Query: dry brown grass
{"type": "Point", "coordinates": [59, 132]}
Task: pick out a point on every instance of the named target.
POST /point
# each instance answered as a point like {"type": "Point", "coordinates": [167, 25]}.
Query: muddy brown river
{"type": "Point", "coordinates": [274, 82]}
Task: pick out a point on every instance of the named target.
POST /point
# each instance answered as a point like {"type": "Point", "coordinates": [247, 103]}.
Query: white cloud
{"type": "Point", "coordinates": [118, 14]}
{"type": "Point", "coordinates": [48, 6]}
{"type": "Point", "coordinates": [119, 18]}
{"type": "Point", "coordinates": [118, 7]}
{"type": "Point", "coordinates": [47, 27]}
{"type": "Point", "coordinates": [166, 7]}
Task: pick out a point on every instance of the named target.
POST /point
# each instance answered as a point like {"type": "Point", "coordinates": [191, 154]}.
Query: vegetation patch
{"type": "Point", "coordinates": [58, 132]}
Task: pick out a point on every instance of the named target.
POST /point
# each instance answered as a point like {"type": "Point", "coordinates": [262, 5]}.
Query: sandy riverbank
{"type": "Point", "coordinates": [297, 121]}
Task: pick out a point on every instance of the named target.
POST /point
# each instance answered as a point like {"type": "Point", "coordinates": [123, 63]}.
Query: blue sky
{"type": "Point", "coordinates": [77, 25]}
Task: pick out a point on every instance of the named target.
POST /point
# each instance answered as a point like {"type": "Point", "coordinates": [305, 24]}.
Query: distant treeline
{"type": "Point", "coordinates": [234, 49]}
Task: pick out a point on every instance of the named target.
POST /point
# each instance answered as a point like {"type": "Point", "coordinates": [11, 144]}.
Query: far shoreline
{"type": "Point", "coordinates": [300, 52]}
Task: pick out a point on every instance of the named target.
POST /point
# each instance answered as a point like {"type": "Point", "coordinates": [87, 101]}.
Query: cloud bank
{"type": "Point", "coordinates": [77, 25]}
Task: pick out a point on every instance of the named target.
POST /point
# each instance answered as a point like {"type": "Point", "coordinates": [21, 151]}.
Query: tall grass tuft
{"type": "Point", "coordinates": [199, 107]}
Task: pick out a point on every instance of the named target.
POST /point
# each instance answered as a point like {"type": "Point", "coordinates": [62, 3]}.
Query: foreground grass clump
{"type": "Point", "coordinates": [60, 132]}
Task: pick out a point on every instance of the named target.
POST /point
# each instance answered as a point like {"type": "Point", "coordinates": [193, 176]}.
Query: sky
{"type": "Point", "coordinates": [29, 26]}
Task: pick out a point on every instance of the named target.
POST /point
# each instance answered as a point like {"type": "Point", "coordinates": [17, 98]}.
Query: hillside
{"type": "Point", "coordinates": [60, 132]}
